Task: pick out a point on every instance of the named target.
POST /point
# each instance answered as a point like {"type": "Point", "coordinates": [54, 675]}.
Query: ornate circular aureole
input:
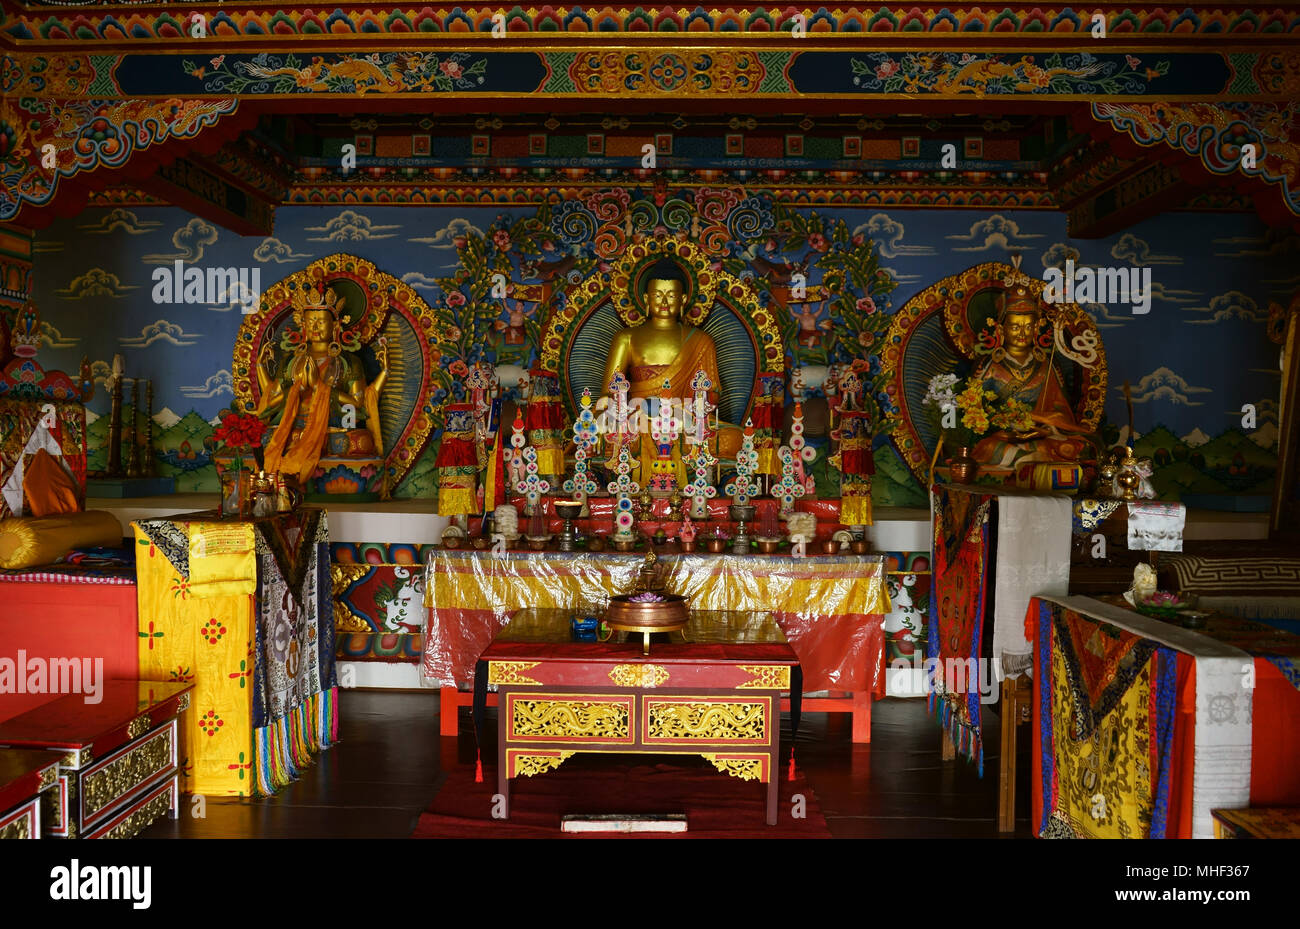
{"type": "Point", "coordinates": [952, 297]}
{"type": "Point", "coordinates": [384, 295]}
{"type": "Point", "coordinates": [713, 286]}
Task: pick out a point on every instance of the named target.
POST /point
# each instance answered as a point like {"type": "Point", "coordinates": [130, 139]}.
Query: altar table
{"type": "Point", "coordinates": [714, 690]}
{"type": "Point", "coordinates": [1143, 727]}
{"type": "Point", "coordinates": [255, 633]}
{"type": "Point", "coordinates": [831, 609]}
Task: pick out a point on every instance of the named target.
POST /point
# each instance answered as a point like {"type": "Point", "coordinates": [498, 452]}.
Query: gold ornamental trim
{"type": "Point", "coordinates": [78, 758]}
{"type": "Point", "coordinates": [20, 827]}
{"type": "Point", "coordinates": [745, 767]}
{"type": "Point", "coordinates": [766, 676]}
{"type": "Point", "coordinates": [705, 720]}
{"type": "Point", "coordinates": [638, 675]}
{"type": "Point", "coordinates": [138, 726]}
{"type": "Point", "coordinates": [142, 816]}
{"type": "Point", "coordinates": [511, 672]}
{"type": "Point", "coordinates": [342, 576]}
{"type": "Point", "coordinates": [524, 765]}
{"type": "Point", "coordinates": [101, 788]}
{"type": "Point", "coordinates": [574, 719]}
{"type": "Point", "coordinates": [183, 703]}
{"type": "Point", "coordinates": [55, 813]}
{"type": "Point", "coordinates": [49, 777]}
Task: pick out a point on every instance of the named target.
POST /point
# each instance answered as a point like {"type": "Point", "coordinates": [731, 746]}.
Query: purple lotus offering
{"type": "Point", "coordinates": [647, 597]}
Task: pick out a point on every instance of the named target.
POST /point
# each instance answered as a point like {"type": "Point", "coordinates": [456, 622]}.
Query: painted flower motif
{"type": "Point", "coordinates": [887, 69]}
{"type": "Point", "coordinates": [452, 69]}
{"type": "Point", "coordinates": [458, 368]}
{"type": "Point", "coordinates": [211, 723]}
{"type": "Point", "coordinates": [858, 240]}
{"type": "Point", "coordinates": [454, 333]}
{"type": "Point", "coordinates": [212, 631]}
{"type": "Point", "coordinates": [455, 299]}
{"type": "Point", "coordinates": [459, 241]}
{"type": "Point", "coordinates": [501, 239]}
{"type": "Point", "coordinates": [818, 242]}
{"type": "Point", "coordinates": [866, 304]}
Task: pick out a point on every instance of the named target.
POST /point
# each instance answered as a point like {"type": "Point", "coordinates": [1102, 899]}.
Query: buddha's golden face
{"type": "Point", "coordinates": [664, 299]}
{"type": "Point", "coordinates": [318, 325]}
{"type": "Point", "coordinates": [1018, 332]}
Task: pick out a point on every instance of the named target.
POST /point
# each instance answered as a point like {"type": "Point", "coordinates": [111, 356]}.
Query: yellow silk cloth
{"type": "Point", "coordinates": [1104, 788]}
{"type": "Point", "coordinates": [299, 458]}
{"type": "Point", "coordinates": [223, 559]}
{"type": "Point", "coordinates": [822, 602]}
{"type": "Point", "coordinates": [855, 511]}
{"type": "Point", "coordinates": [210, 642]}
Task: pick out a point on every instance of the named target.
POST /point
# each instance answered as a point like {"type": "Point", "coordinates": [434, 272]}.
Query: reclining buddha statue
{"type": "Point", "coordinates": [664, 350]}
{"type": "Point", "coordinates": [317, 398]}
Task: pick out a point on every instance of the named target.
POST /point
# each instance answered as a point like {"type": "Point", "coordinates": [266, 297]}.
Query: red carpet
{"type": "Point", "coordinates": [717, 805]}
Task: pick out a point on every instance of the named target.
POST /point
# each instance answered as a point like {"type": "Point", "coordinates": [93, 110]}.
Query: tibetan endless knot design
{"type": "Point", "coordinates": [747, 768]}
{"type": "Point", "coordinates": [767, 677]}
{"type": "Point", "coordinates": [124, 774]}
{"type": "Point", "coordinates": [510, 672]}
{"type": "Point", "coordinates": [577, 719]}
{"type": "Point", "coordinates": [638, 675]}
{"type": "Point", "coordinates": [528, 765]}
{"type": "Point", "coordinates": [720, 722]}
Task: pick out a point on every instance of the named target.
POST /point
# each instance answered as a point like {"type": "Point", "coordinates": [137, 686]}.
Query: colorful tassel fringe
{"type": "Point", "coordinates": [287, 746]}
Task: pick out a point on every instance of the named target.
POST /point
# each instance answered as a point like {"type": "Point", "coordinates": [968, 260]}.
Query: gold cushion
{"type": "Point", "coordinates": [28, 541]}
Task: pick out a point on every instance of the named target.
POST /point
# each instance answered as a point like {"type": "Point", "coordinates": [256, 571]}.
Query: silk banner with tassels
{"type": "Point", "coordinates": [262, 662]}
{"type": "Point", "coordinates": [960, 522]}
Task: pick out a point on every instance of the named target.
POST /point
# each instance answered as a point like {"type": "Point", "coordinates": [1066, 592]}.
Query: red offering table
{"type": "Point", "coordinates": [831, 608]}
{"type": "Point", "coordinates": [25, 776]}
{"type": "Point", "coordinates": [118, 762]}
{"type": "Point", "coordinates": [714, 690]}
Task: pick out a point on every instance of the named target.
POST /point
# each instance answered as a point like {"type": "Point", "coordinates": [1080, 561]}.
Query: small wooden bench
{"type": "Point", "coordinates": [27, 778]}
{"type": "Point", "coordinates": [116, 759]}
{"type": "Point", "coordinates": [1274, 822]}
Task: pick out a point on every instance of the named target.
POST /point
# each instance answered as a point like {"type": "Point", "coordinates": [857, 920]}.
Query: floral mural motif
{"type": "Point", "coordinates": [980, 74]}
{"type": "Point", "coordinates": [380, 72]}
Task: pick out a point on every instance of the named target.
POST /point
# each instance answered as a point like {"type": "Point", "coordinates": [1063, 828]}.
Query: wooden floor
{"type": "Point", "coordinates": [389, 764]}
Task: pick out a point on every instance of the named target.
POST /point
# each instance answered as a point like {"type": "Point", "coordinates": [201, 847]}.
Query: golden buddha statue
{"type": "Point", "coordinates": [1021, 368]}
{"type": "Point", "coordinates": [663, 349]}
{"type": "Point", "coordinates": [320, 392]}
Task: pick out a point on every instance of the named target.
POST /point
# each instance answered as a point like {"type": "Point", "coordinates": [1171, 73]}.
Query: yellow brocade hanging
{"type": "Point", "coordinates": [211, 645]}
{"type": "Point", "coordinates": [223, 559]}
{"type": "Point", "coordinates": [1104, 780]}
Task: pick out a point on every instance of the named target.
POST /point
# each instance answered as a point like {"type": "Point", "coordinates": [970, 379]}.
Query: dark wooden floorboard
{"type": "Point", "coordinates": [390, 763]}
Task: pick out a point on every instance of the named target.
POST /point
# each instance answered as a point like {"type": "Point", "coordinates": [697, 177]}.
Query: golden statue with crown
{"type": "Point", "coordinates": [317, 398]}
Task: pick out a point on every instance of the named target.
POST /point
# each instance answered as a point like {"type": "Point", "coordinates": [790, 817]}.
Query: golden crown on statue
{"type": "Point", "coordinates": [26, 336]}
{"type": "Point", "coordinates": [312, 298]}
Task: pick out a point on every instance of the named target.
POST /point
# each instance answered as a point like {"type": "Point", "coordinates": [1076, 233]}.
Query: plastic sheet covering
{"type": "Point", "coordinates": [831, 608]}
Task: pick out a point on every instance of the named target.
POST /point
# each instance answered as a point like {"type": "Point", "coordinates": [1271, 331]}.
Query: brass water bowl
{"type": "Point", "coordinates": [717, 545]}
{"type": "Point", "coordinates": [538, 543]}
{"type": "Point", "coordinates": [623, 545]}
{"type": "Point", "coordinates": [830, 547]}
{"type": "Point", "coordinates": [768, 546]}
{"type": "Point", "coordinates": [860, 546]}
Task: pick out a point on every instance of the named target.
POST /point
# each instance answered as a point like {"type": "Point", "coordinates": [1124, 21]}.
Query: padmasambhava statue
{"type": "Point", "coordinates": [665, 349]}
{"type": "Point", "coordinates": [1020, 368]}
{"type": "Point", "coordinates": [320, 392]}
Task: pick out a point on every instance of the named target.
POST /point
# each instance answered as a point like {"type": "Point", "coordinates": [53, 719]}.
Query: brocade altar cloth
{"type": "Point", "coordinates": [1020, 542]}
{"type": "Point", "coordinates": [254, 631]}
{"type": "Point", "coordinates": [1143, 727]}
{"type": "Point", "coordinates": [830, 608]}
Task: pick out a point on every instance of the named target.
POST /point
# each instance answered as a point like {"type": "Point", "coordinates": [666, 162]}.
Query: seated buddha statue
{"type": "Point", "coordinates": [1020, 368]}
{"type": "Point", "coordinates": [320, 394]}
{"type": "Point", "coordinates": [661, 355]}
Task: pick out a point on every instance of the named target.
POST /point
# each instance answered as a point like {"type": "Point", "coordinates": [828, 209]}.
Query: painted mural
{"type": "Point", "coordinates": [1192, 362]}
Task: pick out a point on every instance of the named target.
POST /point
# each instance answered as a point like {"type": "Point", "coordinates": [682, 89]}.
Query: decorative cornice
{"type": "Point", "coordinates": [77, 21]}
